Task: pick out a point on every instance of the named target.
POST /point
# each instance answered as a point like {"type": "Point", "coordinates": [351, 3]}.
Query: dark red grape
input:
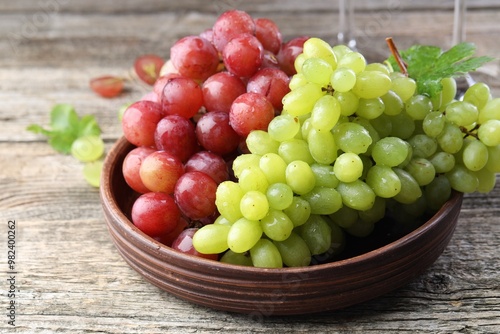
{"type": "Point", "coordinates": [288, 52]}
{"type": "Point", "coordinates": [195, 195]}
{"type": "Point", "coordinates": [209, 163]}
{"type": "Point", "coordinates": [176, 135]}
{"type": "Point", "coordinates": [155, 214]}
{"type": "Point", "coordinates": [268, 34]}
{"type": "Point", "coordinates": [215, 134]}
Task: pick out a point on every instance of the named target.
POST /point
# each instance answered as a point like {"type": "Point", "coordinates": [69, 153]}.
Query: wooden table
{"type": "Point", "coordinates": [71, 279]}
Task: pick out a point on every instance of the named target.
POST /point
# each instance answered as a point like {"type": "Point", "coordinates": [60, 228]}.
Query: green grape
{"type": "Point", "coordinates": [489, 132]}
{"type": "Point", "coordinates": [486, 180]}
{"type": "Point", "coordinates": [300, 177]}
{"type": "Point", "coordinates": [475, 155]}
{"type": "Point", "coordinates": [323, 201]}
{"type": "Point", "coordinates": [254, 205]}
{"type": "Point", "coordinates": [282, 127]}
{"type": "Point", "coordinates": [324, 175]}
{"type": "Point", "coordinates": [371, 130]}
{"type": "Point", "coordinates": [370, 108]}
{"type": "Point", "coordinates": [348, 167]}
{"type": "Point", "coordinates": [393, 103]}
{"type": "Point", "coordinates": [433, 124]}
{"type": "Point", "coordinates": [348, 102]}
{"type": "Point", "coordinates": [462, 179]}
{"type": "Point", "coordinates": [390, 151]}
{"type": "Point", "coordinates": [279, 196]}
{"type": "Point", "coordinates": [92, 172]}
{"type": "Point", "coordinates": [493, 164]}
{"type": "Point", "coordinates": [377, 67]}
{"type": "Point", "coordinates": [306, 127]}
{"type": "Point", "coordinates": [253, 178]}
{"type": "Point", "coordinates": [266, 255]}
{"type": "Point", "coordinates": [295, 149]}
{"type": "Point", "coordinates": [211, 239]}
{"type": "Point", "coordinates": [221, 220]}
{"type": "Point", "coordinates": [367, 164]}
{"type": "Point", "coordinates": [478, 94]}
{"type": "Point", "coordinates": [273, 166]}
{"type": "Point", "coordinates": [360, 228]}
{"type": "Point", "coordinates": [371, 84]}
{"type": "Point", "coordinates": [301, 100]}
{"type": "Point", "coordinates": [340, 50]}
{"type": "Point", "coordinates": [243, 161]}
{"type": "Point", "coordinates": [402, 126]}
{"type": "Point", "coordinates": [243, 235]}
{"type": "Point", "coordinates": [276, 225]}
{"type": "Point", "coordinates": [491, 110]}
{"type": "Point", "coordinates": [260, 142]}
{"type": "Point", "coordinates": [442, 161]}
{"type": "Point", "coordinates": [298, 62]}
{"type": "Point", "coordinates": [345, 216]}
{"type": "Point", "coordinates": [317, 70]}
{"type": "Point", "coordinates": [375, 213]}
{"type": "Point", "coordinates": [317, 234]}
{"type": "Point", "coordinates": [403, 86]}
{"type": "Point", "coordinates": [318, 48]}
{"type": "Point", "coordinates": [410, 190]}
{"type": "Point", "coordinates": [343, 79]}
{"type": "Point", "coordinates": [422, 170]}
{"type": "Point", "coordinates": [448, 92]}
{"type": "Point", "coordinates": [322, 146]}
{"type": "Point", "coordinates": [382, 125]}
{"type": "Point", "coordinates": [294, 251]}
{"type": "Point", "coordinates": [451, 139]}
{"type": "Point", "coordinates": [297, 81]}
{"type": "Point", "coordinates": [461, 113]}
{"type": "Point", "coordinates": [423, 146]}
{"type": "Point", "coordinates": [299, 211]}
{"type": "Point", "coordinates": [357, 195]}
{"type": "Point", "coordinates": [87, 148]}
{"type": "Point", "coordinates": [418, 106]}
{"type": "Point", "coordinates": [384, 181]}
{"type": "Point", "coordinates": [227, 199]}
{"type": "Point", "coordinates": [240, 259]}
{"type": "Point", "coordinates": [338, 239]}
{"type": "Point", "coordinates": [325, 114]}
{"type": "Point", "coordinates": [354, 61]}
{"type": "Point", "coordinates": [352, 137]}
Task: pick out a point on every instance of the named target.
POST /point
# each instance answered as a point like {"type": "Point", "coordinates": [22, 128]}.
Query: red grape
{"type": "Point", "coordinates": [268, 34]}
{"type": "Point", "coordinates": [168, 238]}
{"type": "Point", "coordinates": [220, 90]}
{"type": "Point", "coordinates": [243, 55]}
{"type": "Point", "coordinates": [195, 195]}
{"type": "Point", "coordinates": [215, 133]}
{"type": "Point", "coordinates": [181, 96]}
{"type": "Point", "coordinates": [162, 81]}
{"type": "Point", "coordinates": [131, 166]}
{"type": "Point", "coordinates": [288, 52]}
{"type": "Point", "coordinates": [147, 68]}
{"type": "Point", "coordinates": [160, 171]}
{"type": "Point", "coordinates": [194, 57]}
{"type": "Point", "coordinates": [209, 163]}
{"type": "Point", "coordinates": [139, 122]}
{"type": "Point", "coordinates": [250, 111]}
{"type": "Point", "coordinates": [155, 213]}
{"type": "Point", "coordinates": [208, 34]}
{"type": "Point", "coordinates": [231, 24]}
{"type": "Point", "coordinates": [184, 244]}
{"type": "Point", "coordinates": [269, 60]}
{"type": "Point", "coordinates": [176, 135]}
{"type": "Point", "coordinates": [272, 83]}
{"type": "Point", "coordinates": [107, 86]}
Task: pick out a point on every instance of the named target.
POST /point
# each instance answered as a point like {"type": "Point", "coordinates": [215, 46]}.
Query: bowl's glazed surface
{"type": "Point", "coordinates": [262, 292]}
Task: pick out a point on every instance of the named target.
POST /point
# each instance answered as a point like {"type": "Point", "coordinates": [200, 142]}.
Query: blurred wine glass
{"type": "Point", "coordinates": [346, 24]}
{"type": "Point", "coordinates": [458, 36]}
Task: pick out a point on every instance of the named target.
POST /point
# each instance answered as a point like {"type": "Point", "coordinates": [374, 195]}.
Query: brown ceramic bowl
{"type": "Point", "coordinates": [383, 267]}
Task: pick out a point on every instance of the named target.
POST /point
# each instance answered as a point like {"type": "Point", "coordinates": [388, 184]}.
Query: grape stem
{"type": "Point", "coordinates": [471, 133]}
{"type": "Point", "coordinates": [399, 60]}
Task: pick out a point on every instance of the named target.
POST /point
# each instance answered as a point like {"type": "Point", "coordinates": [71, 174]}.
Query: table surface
{"type": "Point", "coordinates": [71, 279]}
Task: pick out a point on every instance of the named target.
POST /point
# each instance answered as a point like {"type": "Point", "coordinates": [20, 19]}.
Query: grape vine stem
{"type": "Point", "coordinates": [399, 60]}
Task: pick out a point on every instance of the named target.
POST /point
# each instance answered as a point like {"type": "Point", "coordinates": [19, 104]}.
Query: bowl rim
{"type": "Point", "coordinates": [107, 196]}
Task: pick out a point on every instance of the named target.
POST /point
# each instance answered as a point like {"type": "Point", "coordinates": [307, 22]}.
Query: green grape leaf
{"type": "Point", "coordinates": [428, 65]}
{"type": "Point", "coordinates": [88, 126]}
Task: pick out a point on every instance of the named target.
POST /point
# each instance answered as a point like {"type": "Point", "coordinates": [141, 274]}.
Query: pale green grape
{"type": "Point", "coordinates": [348, 102]}
{"type": "Point", "coordinates": [442, 161]}
{"type": "Point", "coordinates": [486, 180]}
{"type": "Point", "coordinates": [301, 100]}
{"type": "Point", "coordinates": [354, 61]}
{"type": "Point", "coordinates": [371, 84]}
{"type": "Point", "coordinates": [325, 114]}
{"type": "Point", "coordinates": [370, 108]}
{"type": "Point", "coordinates": [451, 139]}
{"type": "Point", "coordinates": [305, 127]}
{"type": "Point", "coordinates": [299, 211]}
{"type": "Point", "coordinates": [371, 130]}
{"type": "Point", "coordinates": [449, 91]}
{"type": "Point", "coordinates": [423, 146]}
{"type": "Point", "coordinates": [92, 172]}
{"type": "Point", "coordinates": [281, 128]}
{"type": "Point", "coordinates": [300, 177]}
{"type": "Point", "coordinates": [433, 124]}
{"type": "Point", "coordinates": [475, 155]}
{"type": "Point", "coordinates": [345, 216]}
{"type": "Point", "coordinates": [377, 67]}
{"type": "Point", "coordinates": [211, 239]}
{"type": "Point", "coordinates": [317, 70]}
{"type": "Point", "coordinates": [243, 235]}
{"type": "Point", "coordinates": [367, 164]}
{"type": "Point", "coordinates": [260, 142]}
{"type": "Point", "coordinates": [491, 110]}
{"type": "Point", "coordinates": [253, 178]}
{"type": "Point", "coordinates": [393, 103]}
{"type": "Point", "coordinates": [375, 213]}
{"type": "Point", "coordinates": [422, 170]}
{"type": "Point", "coordinates": [418, 106]}
{"type": "Point", "coordinates": [87, 148]}
{"type": "Point", "coordinates": [462, 179]}
{"type": "Point", "coordinates": [294, 251]}
{"type": "Point", "coordinates": [461, 113]}
{"type": "Point", "coordinates": [324, 175]}
{"type": "Point", "coordinates": [276, 225]}
{"type": "Point", "coordinates": [243, 161]}
{"type": "Point", "coordinates": [384, 181]}
{"type": "Point", "coordinates": [340, 50]}
{"type": "Point", "coordinates": [348, 167]}
{"type": "Point", "coordinates": [254, 205]}
{"type": "Point", "coordinates": [390, 151]}
{"type": "Point", "coordinates": [493, 164]}
{"type": "Point", "coordinates": [357, 195]}
{"type": "Point", "coordinates": [382, 125]}
{"type": "Point", "coordinates": [317, 234]}
{"type": "Point", "coordinates": [410, 190]}
{"type": "Point", "coordinates": [489, 132]}
{"type": "Point", "coordinates": [240, 259]}
{"type": "Point", "coordinates": [227, 199]}
{"type": "Point", "coordinates": [478, 94]}
{"type": "Point", "coordinates": [316, 47]}
{"type": "Point", "coordinates": [352, 137]}
{"type": "Point", "coordinates": [403, 86]}
{"type": "Point", "coordinates": [403, 126]}
{"type": "Point", "coordinates": [221, 220]}
{"type": "Point", "coordinates": [273, 166]}
{"type": "Point", "coordinates": [298, 62]}
{"type": "Point", "coordinates": [297, 81]}
{"type": "Point", "coordinates": [279, 196]}
{"type": "Point", "coordinates": [323, 201]}
{"type": "Point", "coordinates": [322, 146]}
{"type": "Point", "coordinates": [295, 149]}
{"type": "Point", "coordinates": [265, 255]}
{"type": "Point", "coordinates": [343, 79]}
